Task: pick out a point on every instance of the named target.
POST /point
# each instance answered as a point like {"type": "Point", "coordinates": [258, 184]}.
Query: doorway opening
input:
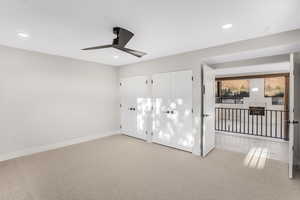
{"type": "Point", "coordinates": [255, 105]}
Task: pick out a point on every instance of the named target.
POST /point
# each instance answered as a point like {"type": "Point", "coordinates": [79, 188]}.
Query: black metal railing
{"type": "Point", "coordinates": [252, 121]}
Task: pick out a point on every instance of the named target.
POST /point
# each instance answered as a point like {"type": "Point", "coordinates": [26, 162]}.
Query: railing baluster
{"type": "Point", "coordinates": [256, 116]}
{"type": "Point", "coordinates": [220, 128]}
{"type": "Point", "coordinates": [248, 121]}
{"type": "Point", "coordinates": [232, 118]}
{"type": "Point", "coordinates": [271, 122]}
{"type": "Point", "coordinates": [225, 119]}
{"type": "Point", "coordinates": [276, 124]}
{"type": "Point", "coordinates": [281, 124]}
{"type": "Point", "coordinates": [217, 121]}
{"type": "Point", "coordinates": [252, 123]}
{"type": "Point", "coordinates": [240, 120]}
{"type": "Point", "coordinates": [261, 125]}
{"type": "Point", "coordinates": [244, 120]}
{"type": "Point", "coordinates": [265, 124]}
{"type": "Point", "coordinates": [216, 118]}
{"type": "Point", "coordinates": [219, 118]}
{"type": "Point", "coordinates": [236, 117]}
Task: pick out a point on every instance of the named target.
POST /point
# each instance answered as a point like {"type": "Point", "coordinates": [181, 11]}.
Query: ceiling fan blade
{"type": "Point", "coordinates": [98, 47]}
{"type": "Point", "coordinates": [136, 53]}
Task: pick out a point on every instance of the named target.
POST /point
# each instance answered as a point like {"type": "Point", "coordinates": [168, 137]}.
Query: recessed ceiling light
{"type": "Point", "coordinates": [116, 56]}
{"type": "Point", "coordinates": [227, 26]}
{"type": "Point", "coordinates": [23, 35]}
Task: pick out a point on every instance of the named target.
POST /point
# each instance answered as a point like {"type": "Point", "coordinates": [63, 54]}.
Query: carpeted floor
{"type": "Point", "coordinates": [120, 167]}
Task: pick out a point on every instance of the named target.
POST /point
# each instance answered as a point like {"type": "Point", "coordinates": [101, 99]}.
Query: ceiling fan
{"type": "Point", "coordinates": [123, 37]}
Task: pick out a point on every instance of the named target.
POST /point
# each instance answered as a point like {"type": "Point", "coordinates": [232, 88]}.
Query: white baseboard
{"type": "Point", "coordinates": [38, 149]}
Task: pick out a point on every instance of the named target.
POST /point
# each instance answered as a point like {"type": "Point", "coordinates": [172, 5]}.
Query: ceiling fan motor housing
{"type": "Point", "coordinates": [123, 36]}
{"type": "Point", "coordinates": [116, 31]}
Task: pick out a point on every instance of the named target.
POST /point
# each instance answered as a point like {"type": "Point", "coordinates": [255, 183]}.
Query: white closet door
{"type": "Point", "coordinates": [135, 106]}
{"type": "Point", "coordinates": [162, 122]}
{"type": "Point", "coordinates": [172, 101]}
{"type": "Point", "coordinates": [127, 117]}
{"type": "Point", "coordinates": [142, 106]}
{"type": "Point", "coordinates": [294, 107]}
{"type": "Point", "coordinates": [181, 106]}
{"type": "Point", "coordinates": [208, 109]}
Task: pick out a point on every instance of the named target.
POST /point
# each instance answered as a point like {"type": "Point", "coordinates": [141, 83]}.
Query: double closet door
{"type": "Point", "coordinates": [135, 105]}
{"type": "Point", "coordinates": [172, 110]}
{"type": "Point", "coordinates": [166, 112]}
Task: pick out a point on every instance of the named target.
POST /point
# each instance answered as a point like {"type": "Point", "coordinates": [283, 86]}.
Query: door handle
{"type": "Point", "coordinates": [132, 109]}
{"type": "Point", "coordinates": [292, 122]}
{"type": "Point", "coordinates": [169, 112]}
{"type": "Point", "coordinates": [205, 115]}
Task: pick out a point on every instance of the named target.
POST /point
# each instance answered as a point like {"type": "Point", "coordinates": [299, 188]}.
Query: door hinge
{"type": "Point", "coordinates": [203, 89]}
{"type": "Point", "coordinates": [192, 110]}
{"type": "Point", "coordinates": [146, 81]}
{"type": "Point", "coordinates": [152, 81]}
{"type": "Point", "coordinates": [192, 78]}
{"type": "Point", "coordinates": [120, 126]}
{"type": "Point", "coordinates": [120, 84]}
{"type": "Point", "coordinates": [120, 105]}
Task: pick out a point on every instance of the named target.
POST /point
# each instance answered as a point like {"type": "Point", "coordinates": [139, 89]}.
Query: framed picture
{"type": "Point", "coordinates": [274, 86]}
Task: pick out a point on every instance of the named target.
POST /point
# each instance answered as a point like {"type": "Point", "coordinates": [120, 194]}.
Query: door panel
{"type": "Point", "coordinates": [294, 111]}
{"type": "Point", "coordinates": [297, 108]}
{"type": "Point", "coordinates": [181, 104]}
{"type": "Point", "coordinates": [135, 106]}
{"type": "Point", "coordinates": [142, 106]}
{"type": "Point", "coordinates": [172, 100]}
{"type": "Point", "coordinates": [162, 123]}
{"type": "Point", "coordinates": [126, 101]}
{"type": "Point", "coordinates": [208, 109]}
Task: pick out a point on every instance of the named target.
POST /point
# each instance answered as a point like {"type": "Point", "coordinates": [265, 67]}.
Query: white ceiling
{"type": "Point", "coordinates": [161, 27]}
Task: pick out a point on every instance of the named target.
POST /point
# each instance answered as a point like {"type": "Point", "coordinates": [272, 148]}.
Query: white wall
{"type": "Point", "coordinates": [48, 100]}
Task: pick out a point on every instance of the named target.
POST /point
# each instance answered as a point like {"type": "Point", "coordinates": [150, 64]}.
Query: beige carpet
{"type": "Point", "coordinates": [121, 167]}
